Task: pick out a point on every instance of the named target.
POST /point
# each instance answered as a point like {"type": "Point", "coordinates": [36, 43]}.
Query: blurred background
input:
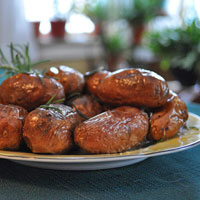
{"type": "Point", "coordinates": [160, 35]}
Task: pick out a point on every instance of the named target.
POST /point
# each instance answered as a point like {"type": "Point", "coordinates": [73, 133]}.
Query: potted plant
{"type": "Point", "coordinates": [138, 13]}
{"type": "Point", "coordinates": [97, 11]}
{"type": "Point", "coordinates": [58, 28]}
{"type": "Point", "coordinates": [58, 21]}
{"type": "Point", "coordinates": [114, 46]}
{"type": "Point", "coordinates": [179, 50]}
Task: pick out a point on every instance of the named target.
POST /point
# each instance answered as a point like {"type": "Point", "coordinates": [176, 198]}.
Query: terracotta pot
{"type": "Point", "coordinates": [36, 26]}
{"type": "Point", "coordinates": [98, 29]}
{"type": "Point", "coordinates": [113, 61]}
{"type": "Point", "coordinates": [137, 31]}
{"type": "Point", "coordinates": [58, 29]}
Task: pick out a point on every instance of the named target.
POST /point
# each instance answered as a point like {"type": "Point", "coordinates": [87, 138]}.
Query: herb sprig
{"type": "Point", "coordinates": [20, 61]}
{"type": "Point", "coordinates": [69, 101]}
{"type": "Point", "coordinates": [51, 101]}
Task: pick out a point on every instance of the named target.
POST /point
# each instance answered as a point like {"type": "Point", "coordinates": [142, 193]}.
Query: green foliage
{"type": "Point", "coordinates": [178, 47]}
{"type": "Point", "coordinates": [20, 60]}
{"type": "Point", "coordinates": [52, 101]}
{"type": "Point", "coordinates": [115, 43]}
{"type": "Point", "coordinates": [96, 10]}
{"type": "Point", "coordinates": [140, 11]}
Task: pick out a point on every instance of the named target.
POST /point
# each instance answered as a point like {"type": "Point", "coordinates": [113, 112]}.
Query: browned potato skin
{"type": "Point", "coordinates": [166, 122]}
{"type": "Point", "coordinates": [94, 80]}
{"type": "Point", "coordinates": [11, 125]}
{"type": "Point", "coordinates": [29, 91]}
{"type": "Point", "coordinates": [47, 131]}
{"type": "Point", "coordinates": [71, 79]}
{"type": "Point", "coordinates": [136, 87]}
{"type": "Point", "coordinates": [87, 105]}
{"type": "Point", "coordinates": [112, 131]}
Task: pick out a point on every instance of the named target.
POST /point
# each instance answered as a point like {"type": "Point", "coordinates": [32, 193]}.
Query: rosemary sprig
{"type": "Point", "coordinates": [69, 102]}
{"type": "Point", "coordinates": [20, 61]}
{"type": "Point", "coordinates": [51, 107]}
{"type": "Point", "coordinates": [72, 96]}
{"type": "Point", "coordinates": [3, 59]}
{"type": "Point", "coordinates": [59, 101]}
{"type": "Point", "coordinates": [79, 112]}
{"type": "Point", "coordinates": [50, 101]}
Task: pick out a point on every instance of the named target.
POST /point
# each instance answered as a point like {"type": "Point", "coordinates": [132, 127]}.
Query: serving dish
{"type": "Point", "coordinates": [187, 138]}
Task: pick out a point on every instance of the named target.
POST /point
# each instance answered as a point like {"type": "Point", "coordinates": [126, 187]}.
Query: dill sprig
{"type": "Point", "coordinates": [20, 61]}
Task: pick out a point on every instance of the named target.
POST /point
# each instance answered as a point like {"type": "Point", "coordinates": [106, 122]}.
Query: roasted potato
{"type": "Point", "coordinates": [167, 120]}
{"type": "Point", "coordinates": [50, 130]}
{"type": "Point", "coordinates": [136, 87]}
{"type": "Point", "coordinates": [71, 79]}
{"type": "Point", "coordinates": [112, 131]}
{"type": "Point", "coordinates": [11, 126]}
{"type": "Point", "coordinates": [87, 106]}
{"type": "Point", "coordinates": [29, 90]}
{"type": "Point", "coordinates": [93, 80]}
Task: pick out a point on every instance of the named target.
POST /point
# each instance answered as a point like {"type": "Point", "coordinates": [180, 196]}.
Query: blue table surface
{"type": "Point", "coordinates": [167, 177]}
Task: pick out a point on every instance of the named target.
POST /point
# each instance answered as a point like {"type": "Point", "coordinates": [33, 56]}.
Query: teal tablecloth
{"type": "Point", "coordinates": [168, 177]}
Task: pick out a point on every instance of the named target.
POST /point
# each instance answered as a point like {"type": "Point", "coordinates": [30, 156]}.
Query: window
{"type": "Point", "coordinates": [46, 10]}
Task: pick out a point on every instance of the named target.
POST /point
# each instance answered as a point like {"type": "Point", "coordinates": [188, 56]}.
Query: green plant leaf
{"type": "Point", "coordinates": [165, 64]}
{"type": "Point", "coordinates": [180, 46]}
{"type": "Point", "coordinates": [190, 60]}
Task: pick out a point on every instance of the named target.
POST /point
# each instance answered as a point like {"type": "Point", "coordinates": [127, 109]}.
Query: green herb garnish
{"type": "Point", "coordinates": [79, 112]}
{"type": "Point", "coordinates": [72, 96]}
{"type": "Point", "coordinates": [69, 101]}
{"type": "Point", "coordinates": [20, 61]}
{"type": "Point", "coordinates": [51, 101]}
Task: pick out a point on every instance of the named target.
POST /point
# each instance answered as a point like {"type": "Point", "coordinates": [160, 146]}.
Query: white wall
{"type": "Point", "coordinates": [14, 28]}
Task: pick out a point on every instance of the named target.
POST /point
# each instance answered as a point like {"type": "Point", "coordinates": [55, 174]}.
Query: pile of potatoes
{"type": "Point", "coordinates": [103, 112]}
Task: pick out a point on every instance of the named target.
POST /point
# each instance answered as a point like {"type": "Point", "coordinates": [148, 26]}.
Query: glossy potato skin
{"type": "Point", "coordinates": [87, 105]}
{"type": "Point", "coordinates": [11, 126]}
{"type": "Point", "coordinates": [93, 81]}
{"type": "Point", "coordinates": [72, 80]}
{"type": "Point", "coordinates": [47, 131]}
{"type": "Point", "coordinates": [167, 121]}
{"type": "Point", "coordinates": [29, 91]}
{"type": "Point", "coordinates": [112, 131]}
{"type": "Point", "coordinates": [136, 87]}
